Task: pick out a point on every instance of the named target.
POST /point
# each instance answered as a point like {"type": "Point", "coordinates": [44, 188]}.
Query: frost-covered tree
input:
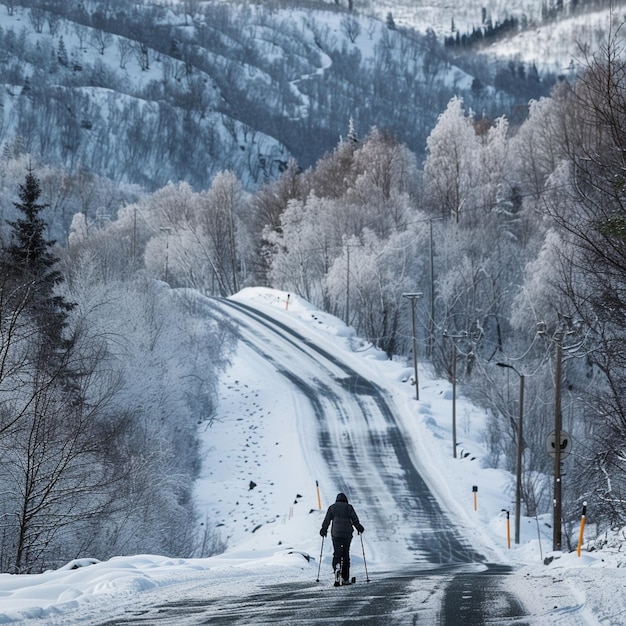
{"type": "Point", "coordinates": [306, 246]}
{"type": "Point", "coordinates": [267, 206]}
{"type": "Point", "coordinates": [50, 468]}
{"type": "Point", "coordinates": [222, 214]}
{"type": "Point", "coordinates": [385, 177]}
{"type": "Point", "coordinates": [590, 210]}
{"type": "Point", "coordinates": [162, 354]}
{"type": "Point", "coordinates": [361, 192]}
{"type": "Point", "coordinates": [537, 147]}
{"type": "Point", "coordinates": [371, 274]}
{"type": "Point", "coordinates": [202, 239]}
{"type": "Point", "coordinates": [55, 479]}
{"type": "Point", "coordinates": [478, 253]}
{"type": "Point", "coordinates": [452, 148]}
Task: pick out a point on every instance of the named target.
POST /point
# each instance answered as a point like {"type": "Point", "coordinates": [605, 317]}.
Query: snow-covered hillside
{"type": "Point", "coordinates": [557, 45]}
{"type": "Point", "coordinates": [180, 91]}
{"type": "Point", "coordinates": [441, 14]}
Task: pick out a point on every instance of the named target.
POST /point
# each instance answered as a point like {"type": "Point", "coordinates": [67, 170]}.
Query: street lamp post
{"type": "Point", "coordinates": [413, 297]}
{"type": "Point", "coordinates": [520, 449]}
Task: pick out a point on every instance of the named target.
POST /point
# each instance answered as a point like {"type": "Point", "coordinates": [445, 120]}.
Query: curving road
{"type": "Point", "coordinates": [439, 579]}
{"type": "Point", "coordinates": [381, 470]}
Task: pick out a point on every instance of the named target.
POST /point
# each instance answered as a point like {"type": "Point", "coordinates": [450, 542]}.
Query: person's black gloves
{"type": "Point", "coordinates": [322, 533]}
{"type": "Point", "coordinates": [360, 529]}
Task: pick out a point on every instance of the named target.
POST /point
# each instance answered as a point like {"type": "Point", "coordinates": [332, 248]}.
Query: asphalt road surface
{"type": "Point", "coordinates": [444, 595]}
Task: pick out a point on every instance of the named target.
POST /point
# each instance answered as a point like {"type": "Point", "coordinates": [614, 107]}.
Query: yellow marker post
{"type": "Point", "coordinates": [319, 500]}
{"type": "Point", "coordinates": [582, 528]}
{"type": "Point", "coordinates": [508, 528]}
{"type": "Point", "coordinates": [475, 491]}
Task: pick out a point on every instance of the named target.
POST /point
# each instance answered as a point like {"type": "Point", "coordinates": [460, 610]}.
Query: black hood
{"type": "Point", "coordinates": [341, 497]}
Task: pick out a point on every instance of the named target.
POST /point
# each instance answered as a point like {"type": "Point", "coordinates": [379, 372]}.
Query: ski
{"type": "Point", "coordinates": [340, 582]}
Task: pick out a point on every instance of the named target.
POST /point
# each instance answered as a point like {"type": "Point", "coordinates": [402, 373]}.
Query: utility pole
{"type": "Point", "coordinates": [346, 242]}
{"type": "Point", "coordinates": [558, 503]}
{"type": "Point", "coordinates": [454, 337]}
{"type": "Point", "coordinates": [454, 399]}
{"type": "Point", "coordinates": [167, 232]}
{"type": "Point", "coordinates": [558, 451]}
{"type": "Point", "coordinates": [348, 284]}
{"type": "Point", "coordinates": [431, 329]}
{"type": "Point", "coordinates": [413, 297]}
{"type": "Point", "coordinates": [520, 450]}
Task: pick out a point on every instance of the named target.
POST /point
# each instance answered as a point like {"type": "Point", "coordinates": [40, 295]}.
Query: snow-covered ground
{"type": "Point", "coordinates": [258, 487]}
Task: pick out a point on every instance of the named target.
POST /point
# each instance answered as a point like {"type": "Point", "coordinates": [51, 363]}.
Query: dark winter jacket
{"type": "Point", "coordinates": [343, 517]}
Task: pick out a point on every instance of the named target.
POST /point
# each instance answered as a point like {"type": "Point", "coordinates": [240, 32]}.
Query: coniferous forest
{"type": "Point", "coordinates": [501, 201]}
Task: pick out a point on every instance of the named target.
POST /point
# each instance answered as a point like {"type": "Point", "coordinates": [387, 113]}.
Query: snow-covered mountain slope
{"type": "Point", "coordinates": [148, 93]}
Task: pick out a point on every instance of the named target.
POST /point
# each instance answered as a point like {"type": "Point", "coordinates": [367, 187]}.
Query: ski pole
{"type": "Point", "coordinates": [320, 563]}
{"type": "Point", "coordinates": [367, 576]}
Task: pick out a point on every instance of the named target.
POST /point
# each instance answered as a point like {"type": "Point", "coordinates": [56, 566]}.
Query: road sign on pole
{"type": "Point", "coordinates": [565, 444]}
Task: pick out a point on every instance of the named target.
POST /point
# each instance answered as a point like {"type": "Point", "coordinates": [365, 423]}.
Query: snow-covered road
{"type": "Point", "coordinates": [306, 402]}
{"type": "Point", "coordinates": [359, 446]}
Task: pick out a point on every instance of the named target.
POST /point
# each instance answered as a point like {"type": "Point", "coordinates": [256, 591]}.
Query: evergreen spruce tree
{"type": "Point", "coordinates": [62, 53]}
{"type": "Point", "coordinates": [29, 266]}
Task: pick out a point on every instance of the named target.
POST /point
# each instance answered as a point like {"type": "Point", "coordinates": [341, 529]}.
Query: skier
{"type": "Point", "coordinates": [344, 518]}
